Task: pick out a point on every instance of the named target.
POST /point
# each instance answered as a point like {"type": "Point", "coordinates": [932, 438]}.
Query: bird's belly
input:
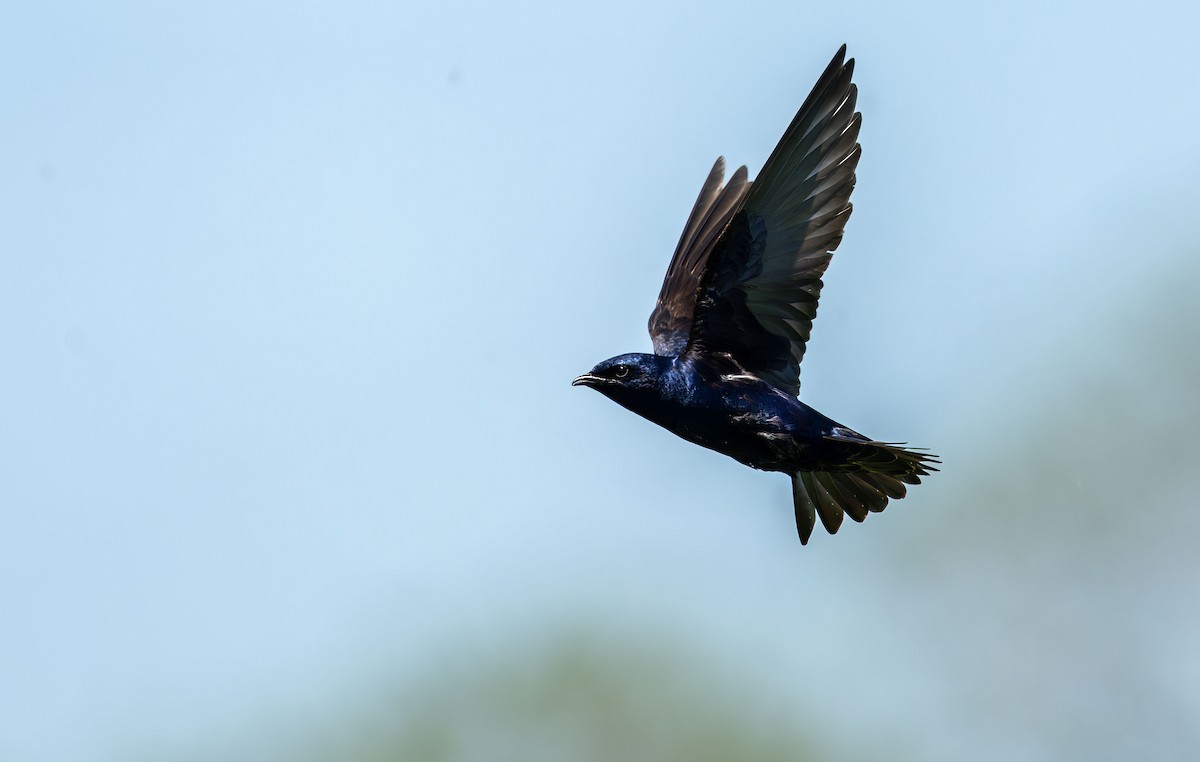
{"type": "Point", "coordinates": [761, 442]}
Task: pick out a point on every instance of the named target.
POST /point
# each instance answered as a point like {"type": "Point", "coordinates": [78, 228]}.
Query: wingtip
{"type": "Point", "coordinates": [841, 60]}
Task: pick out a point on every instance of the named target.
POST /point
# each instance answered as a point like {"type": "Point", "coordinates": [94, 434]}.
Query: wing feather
{"type": "Point", "coordinates": [761, 283]}
{"type": "Point", "coordinates": [671, 322]}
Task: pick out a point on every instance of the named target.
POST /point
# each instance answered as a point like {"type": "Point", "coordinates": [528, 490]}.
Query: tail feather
{"type": "Point", "coordinates": [828, 507]}
{"type": "Point", "coordinates": [892, 487]}
{"type": "Point", "coordinates": [806, 509]}
{"type": "Point", "coordinates": [873, 498]}
{"type": "Point", "coordinates": [854, 509]}
{"type": "Point", "coordinates": [874, 472]}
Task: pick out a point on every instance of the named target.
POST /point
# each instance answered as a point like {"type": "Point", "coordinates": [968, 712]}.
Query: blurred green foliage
{"type": "Point", "coordinates": [577, 698]}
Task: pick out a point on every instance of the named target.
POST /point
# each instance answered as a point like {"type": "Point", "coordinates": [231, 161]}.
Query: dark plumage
{"type": "Point", "coordinates": [735, 312]}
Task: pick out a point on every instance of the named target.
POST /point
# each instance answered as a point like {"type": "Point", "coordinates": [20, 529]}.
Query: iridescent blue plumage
{"type": "Point", "coordinates": [734, 315]}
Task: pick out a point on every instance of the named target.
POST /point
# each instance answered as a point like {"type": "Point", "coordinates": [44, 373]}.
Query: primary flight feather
{"type": "Point", "coordinates": [735, 311]}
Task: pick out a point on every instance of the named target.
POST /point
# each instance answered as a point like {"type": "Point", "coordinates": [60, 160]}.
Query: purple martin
{"type": "Point", "coordinates": [735, 312]}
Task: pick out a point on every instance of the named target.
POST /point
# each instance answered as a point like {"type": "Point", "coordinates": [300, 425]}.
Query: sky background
{"type": "Point", "coordinates": [291, 296]}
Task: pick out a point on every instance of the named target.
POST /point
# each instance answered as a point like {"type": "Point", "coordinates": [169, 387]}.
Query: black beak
{"type": "Point", "coordinates": [587, 379]}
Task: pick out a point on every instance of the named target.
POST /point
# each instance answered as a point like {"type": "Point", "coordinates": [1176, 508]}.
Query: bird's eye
{"type": "Point", "coordinates": [621, 371]}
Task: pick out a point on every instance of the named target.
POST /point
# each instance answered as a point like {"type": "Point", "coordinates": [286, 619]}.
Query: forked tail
{"type": "Point", "coordinates": [873, 473]}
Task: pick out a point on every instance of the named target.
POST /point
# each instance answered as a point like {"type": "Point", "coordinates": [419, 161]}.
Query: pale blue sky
{"type": "Point", "coordinates": [291, 296]}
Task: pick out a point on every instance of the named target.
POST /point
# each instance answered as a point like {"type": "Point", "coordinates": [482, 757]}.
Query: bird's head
{"type": "Point", "coordinates": [626, 377]}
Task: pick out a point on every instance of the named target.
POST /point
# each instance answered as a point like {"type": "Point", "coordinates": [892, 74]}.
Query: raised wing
{"type": "Point", "coordinates": [758, 293]}
{"type": "Point", "coordinates": [671, 321]}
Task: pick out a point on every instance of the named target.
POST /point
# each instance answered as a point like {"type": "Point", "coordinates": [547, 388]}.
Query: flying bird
{"type": "Point", "coordinates": [735, 312]}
